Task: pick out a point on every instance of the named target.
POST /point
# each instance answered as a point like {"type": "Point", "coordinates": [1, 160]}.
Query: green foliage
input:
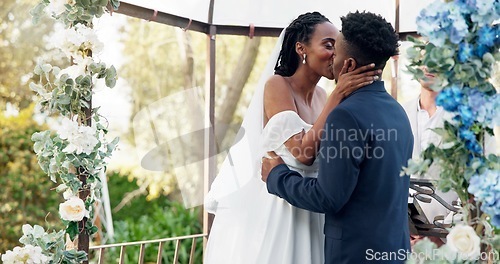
{"type": "Point", "coordinates": [159, 63]}
{"type": "Point", "coordinates": [165, 222]}
{"type": "Point", "coordinates": [441, 60]}
{"type": "Point", "coordinates": [144, 220]}
{"type": "Point", "coordinates": [26, 195]}
{"type": "Point", "coordinates": [19, 51]}
{"type": "Point", "coordinates": [119, 186]}
{"type": "Point", "coordinates": [52, 245]}
{"type": "Point", "coordinates": [82, 11]}
{"type": "Point", "coordinates": [69, 95]}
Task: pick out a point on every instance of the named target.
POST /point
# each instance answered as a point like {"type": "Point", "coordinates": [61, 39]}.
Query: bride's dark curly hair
{"type": "Point", "coordinates": [300, 30]}
{"type": "Point", "coordinates": [369, 38]}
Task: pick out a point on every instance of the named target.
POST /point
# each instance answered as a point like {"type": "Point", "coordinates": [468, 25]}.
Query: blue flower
{"type": "Point", "coordinates": [466, 6]}
{"type": "Point", "coordinates": [450, 98]}
{"type": "Point", "coordinates": [485, 108]}
{"type": "Point", "coordinates": [434, 23]}
{"type": "Point", "coordinates": [495, 220]}
{"type": "Point", "coordinates": [486, 12]}
{"type": "Point", "coordinates": [464, 51]}
{"type": "Point", "coordinates": [466, 115]}
{"type": "Point", "coordinates": [475, 186]}
{"type": "Point", "coordinates": [466, 134]}
{"type": "Point", "coordinates": [458, 27]}
{"type": "Point", "coordinates": [494, 107]}
{"type": "Point", "coordinates": [497, 32]}
{"type": "Point", "coordinates": [468, 29]}
{"type": "Point", "coordinates": [476, 98]}
{"type": "Point", "coordinates": [474, 147]}
{"type": "Point", "coordinates": [481, 50]}
{"type": "Point", "coordinates": [486, 36]}
{"type": "Point", "coordinates": [471, 142]}
{"type": "Point", "coordinates": [486, 189]}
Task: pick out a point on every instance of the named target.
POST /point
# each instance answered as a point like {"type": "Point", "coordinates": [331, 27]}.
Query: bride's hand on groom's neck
{"type": "Point", "coordinates": [350, 81]}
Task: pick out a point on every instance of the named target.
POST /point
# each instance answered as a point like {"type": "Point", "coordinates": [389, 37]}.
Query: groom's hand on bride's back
{"type": "Point", "coordinates": [268, 163]}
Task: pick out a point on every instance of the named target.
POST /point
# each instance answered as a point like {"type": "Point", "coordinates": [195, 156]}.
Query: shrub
{"type": "Point", "coordinates": [25, 196]}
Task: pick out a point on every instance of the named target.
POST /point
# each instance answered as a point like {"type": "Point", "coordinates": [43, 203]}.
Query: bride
{"type": "Point", "coordinates": [286, 115]}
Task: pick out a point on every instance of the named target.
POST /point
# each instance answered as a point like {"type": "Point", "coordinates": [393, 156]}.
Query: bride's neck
{"type": "Point", "coordinates": [304, 85]}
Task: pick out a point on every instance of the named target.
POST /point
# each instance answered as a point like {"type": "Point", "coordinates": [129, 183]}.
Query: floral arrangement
{"type": "Point", "coordinates": [77, 153]}
{"type": "Point", "coordinates": [461, 47]}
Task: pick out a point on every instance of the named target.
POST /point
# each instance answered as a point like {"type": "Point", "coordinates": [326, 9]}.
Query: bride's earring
{"type": "Point", "coordinates": [304, 60]}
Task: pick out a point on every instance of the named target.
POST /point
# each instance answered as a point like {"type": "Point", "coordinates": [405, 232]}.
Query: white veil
{"type": "Point", "coordinates": [243, 160]}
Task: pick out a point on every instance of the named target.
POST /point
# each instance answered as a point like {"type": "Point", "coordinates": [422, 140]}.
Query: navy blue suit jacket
{"type": "Point", "coordinates": [367, 141]}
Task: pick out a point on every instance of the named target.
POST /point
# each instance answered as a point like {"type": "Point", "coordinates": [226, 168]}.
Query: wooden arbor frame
{"type": "Point", "coordinates": [211, 31]}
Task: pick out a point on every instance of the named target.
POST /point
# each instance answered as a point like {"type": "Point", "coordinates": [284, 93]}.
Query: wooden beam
{"type": "Point", "coordinates": [163, 18]}
{"type": "Point", "coordinates": [182, 22]}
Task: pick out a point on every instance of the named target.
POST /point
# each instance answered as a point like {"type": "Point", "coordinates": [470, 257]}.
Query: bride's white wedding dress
{"type": "Point", "coordinates": [252, 226]}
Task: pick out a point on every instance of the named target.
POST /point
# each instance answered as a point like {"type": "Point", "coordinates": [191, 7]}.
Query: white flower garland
{"type": "Point", "coordinates": [75, 149]}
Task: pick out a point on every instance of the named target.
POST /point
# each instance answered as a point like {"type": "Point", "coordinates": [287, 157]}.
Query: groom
{"type": "Point", "coordinates": [366, 142]}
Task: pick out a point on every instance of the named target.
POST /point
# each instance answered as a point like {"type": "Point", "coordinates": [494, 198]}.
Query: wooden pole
{"type": "Point", "coordinates": [395, 64]}
{"type": "Point", "coordinates": [83, 236]}
{"type": "Point", "coordinates": [209, 142]}
{"type": "Point", "coordinates": [209, 163]}
{"type": "Point", "coordinates": [394, 76]}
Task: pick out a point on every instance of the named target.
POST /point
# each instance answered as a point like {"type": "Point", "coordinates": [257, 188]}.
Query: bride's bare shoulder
{"type": "Point", "coordinates": [277, 96]}
{"type": "Point", "coordinates": [277, 87]}
{"type": "Point", "coordinates": [276, 82]}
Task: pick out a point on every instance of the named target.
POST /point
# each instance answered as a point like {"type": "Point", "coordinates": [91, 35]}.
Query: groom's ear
{"type": "Point", "coordinates": [351, 64]}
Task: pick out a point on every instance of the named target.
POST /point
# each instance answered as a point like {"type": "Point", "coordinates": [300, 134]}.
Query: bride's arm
{"type": "Point", "coordinates": [278, 98]}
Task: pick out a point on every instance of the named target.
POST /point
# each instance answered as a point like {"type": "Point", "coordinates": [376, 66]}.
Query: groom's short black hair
{"type": "Point", "coordinates": [369, 38]}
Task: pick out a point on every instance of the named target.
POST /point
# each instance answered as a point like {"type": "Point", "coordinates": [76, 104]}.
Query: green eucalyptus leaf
{"type": "Point", "coordinates": [413, 52]}
{"type": "Point", "coordinates": [72, 230]}
{"type": "Point", "coordinates": [85, 3]}
{"type": "Point", "coordinates": [103, 2]}
{"type": "Point", "coordinates": [115, 4]}
{"type": "Point", "coordinates": [64, 100]}
{"type": "Point", "coordinates": [488, 58]}
{"type": "Point", "coordinates": [74, 257]}
{"type": "Point", "coordinates": [38, 70]}
{"type": "Point", "coordinates": [37, 12]}
{"type": "Point", "coordinates": [110, 82]}
{"type": "Point", "coordinates": [86, 81]}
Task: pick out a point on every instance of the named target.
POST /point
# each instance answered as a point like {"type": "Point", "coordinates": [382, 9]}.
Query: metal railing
{"type": "Point", "coordinates": [425, 192]}
{"type": "Point", "coordinates": [100, 250]}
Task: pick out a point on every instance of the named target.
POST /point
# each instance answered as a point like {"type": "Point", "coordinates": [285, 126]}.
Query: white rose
{"type": "Point", "coordinates": [73, 209]}
{"type": "Point", "coordinates": [81, 139]}
{"type": "Point", "coordinates": [26, 254]}
{"type": "Point", "coordinates": [67, 128]}
{"type": "Point", "coordinates": [463, 240]}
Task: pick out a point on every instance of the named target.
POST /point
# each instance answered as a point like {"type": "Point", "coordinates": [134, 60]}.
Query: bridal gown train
{"type": "Point", "coordinates": [252, 226]}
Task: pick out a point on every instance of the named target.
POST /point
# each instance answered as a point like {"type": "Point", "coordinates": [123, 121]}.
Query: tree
{"type": "Point", "coordinates": [19, 51]}
{"type": "Point", "coordinates": [163, 60]}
